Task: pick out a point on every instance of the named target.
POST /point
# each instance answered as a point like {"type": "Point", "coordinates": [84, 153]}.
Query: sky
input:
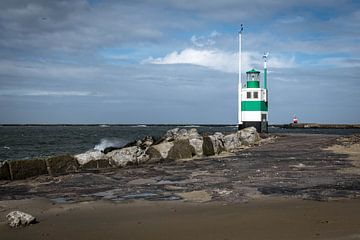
{"type": "Point", "coordinates": [175, 61]}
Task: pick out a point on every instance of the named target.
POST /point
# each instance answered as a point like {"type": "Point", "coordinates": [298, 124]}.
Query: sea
{"type": "Point", "coordinates": [34, 141]}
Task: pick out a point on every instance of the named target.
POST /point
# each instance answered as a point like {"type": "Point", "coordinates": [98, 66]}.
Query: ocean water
{"type": "Point", "coordinates": [26, 142]}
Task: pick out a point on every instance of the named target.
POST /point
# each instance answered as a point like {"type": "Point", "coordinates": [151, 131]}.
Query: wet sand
{"type": "Point", "coordinates": [257, 219]}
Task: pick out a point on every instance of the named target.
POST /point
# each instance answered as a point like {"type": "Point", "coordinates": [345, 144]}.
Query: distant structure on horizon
{"type": "Point", "coordinates": [252, 99]}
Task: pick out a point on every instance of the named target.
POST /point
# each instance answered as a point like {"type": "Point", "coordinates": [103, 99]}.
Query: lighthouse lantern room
{"type": "Point", "coordinates": [253, 99]}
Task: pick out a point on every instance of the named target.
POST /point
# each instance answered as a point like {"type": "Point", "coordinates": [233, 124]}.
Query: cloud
{"type": "Point", "coordinates": [37, 93]}
{"type": "Point", "coordinates": [205, 41]}
{"type": "Point", "coordinates": [294, 19]}
{"type": "Point", "coordinates": [220, 60]}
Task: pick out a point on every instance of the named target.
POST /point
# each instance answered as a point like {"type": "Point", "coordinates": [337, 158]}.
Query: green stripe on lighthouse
{"type": "Point", "coordinates": [254, 106]}
{"type": "Point", "coordinates": [252, 84]}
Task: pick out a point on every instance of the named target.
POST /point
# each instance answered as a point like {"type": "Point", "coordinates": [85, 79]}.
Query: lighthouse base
{"type": "Point", "coordinates": [261, 127]}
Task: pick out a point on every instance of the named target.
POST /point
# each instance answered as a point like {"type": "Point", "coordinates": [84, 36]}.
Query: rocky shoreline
{"type": "Point", "coordinates": [290, 165]}
{"type": "Point", "coordinates": [174, 145]}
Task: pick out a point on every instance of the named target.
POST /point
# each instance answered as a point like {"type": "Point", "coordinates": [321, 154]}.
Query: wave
{"type": "Point", "coordinates": [141, 125]}
{"type": "Point", "coordinates": [109, 142]}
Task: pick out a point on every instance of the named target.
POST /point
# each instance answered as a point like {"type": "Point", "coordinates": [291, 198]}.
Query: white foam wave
{"type": "Point", "coordinates": [109, 142]}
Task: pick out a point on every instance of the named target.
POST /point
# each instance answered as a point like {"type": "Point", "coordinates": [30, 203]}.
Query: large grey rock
{"type": "Point", "coordinates": [217, 141]}
{"type": "Point", "coordinates": [145, 142]}
{"type": "Point", "coordinates": [154, 155]}
{"type": "Point", "coordinates": [197, 145]}
{"type": "Point", "coordinates": [208, 147]}
{"type": "Point", "coordinates": [126, 156]}
{"type": "Point", "coordinates": [181, 150]}
{"type": "Point", "coordinates": [4, 171]}
{"type": "Point", "coordinates": [192, 135]}
{"type": "Point", "coordinates": [171, 134]}
{"type": "Point", "coordinates": [62, 164]}
{"type": "Point", "coordinates": [231, 142]}
{"type": "Point", "coordinates": [16, 219]}
{"type": "Point", "coordinates": [163, 148]}
{"type": "Point", "coordinates": [89, 156]}
{"type": "Point", "coordinates": [196, 140]}
{"type": "Point", "coordinates": [248, 136]}
{"type": "Point", "coordinates": [21, 169]}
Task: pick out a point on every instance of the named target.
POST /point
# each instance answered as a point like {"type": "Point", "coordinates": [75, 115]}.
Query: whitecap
{"type": "Point", "coordinates": [109, 142]}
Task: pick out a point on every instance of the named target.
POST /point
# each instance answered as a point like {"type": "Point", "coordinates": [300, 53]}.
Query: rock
{"type": "Point", "coordinates": [170, 134]}
{"type": "Point", "coordinates": [248, 136]}
{"type": "Point", "coordinates": [21, 169]}
{"type": "Point", "coordinates": [62, 164]}
{"type": "Point", "coordinates": [217, 141]}
{"type": "Point", "coordinates": [181, 149]}
{"type": "Point", "coordinates": [208, 147]}
{"type": "Point", "coordinates": [196, 140]}
{"type": "Point", "coordinates": [145, 142]}
{"type": "Point", "coordinates": [197, 145]}
{"type": "Point", "coordinates": [163, 148]}
{"type": "Point", "coordinates": [126, 156]}
{"type": "Point", "coordinates": [16, 219]}
{"type": "Point", "coordinates": [231, 142]}
{"type": "Point", "coordinates": [143, 157]}
{"type": "Point", "coordinates": [4, 171]}
{"type": "Point", "coordinates": [154, 154]}
{"type": "Point", "coordinates": [110, 149]}
{"type": "Point", "coordinates": [88, 156]}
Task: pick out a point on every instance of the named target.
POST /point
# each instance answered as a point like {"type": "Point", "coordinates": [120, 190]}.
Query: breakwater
{"type": "Point", "coordinates": [317, 126]}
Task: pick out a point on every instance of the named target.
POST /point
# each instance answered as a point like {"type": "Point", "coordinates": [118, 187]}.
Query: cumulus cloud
{"type": "Point", "coordinates": [220, 60]}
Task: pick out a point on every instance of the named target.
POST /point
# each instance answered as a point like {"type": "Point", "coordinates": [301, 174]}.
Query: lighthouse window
{"type": "Point", "coordinates": [256, 95]}
{"type": "Point", "coordinates": [248, 95]}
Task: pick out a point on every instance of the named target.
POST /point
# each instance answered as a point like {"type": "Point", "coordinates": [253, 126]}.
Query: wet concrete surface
{"type": "Point", "coordinates": [292, 166]}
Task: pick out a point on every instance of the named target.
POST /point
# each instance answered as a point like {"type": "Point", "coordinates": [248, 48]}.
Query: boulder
{"type": "Point", "coordinates": [21, 169]}
{"type": "Point", "coordinates": [181, 149]}
{"type": "Point", "coordinates": [171, 134]}
{"type": "Point", "coordinates": [197, 144]}
{"type": "Point", "coordinates": [102, 163]}
{"type": "Point", "coordinates": [16, 219]}
{"type": "Point", "coordinates": [163, 148]}
{"type": "Point", "coordinates": [196, 140]}
{"type": "Point", "coordinates": [4, 171]}
{"type": "Point", "coordinates": [217, 141]}
{"type": "Point", "coordinates": [126, 156]}
{"type": "Point", "coordinates": [89, 156]}
{"type": "Point", "coordinates": [231, 142]}
{"type": "Point", "coordinates": [145, 142]}
{"type": "Point", "coordinates": [154, 154]}
{"type": "Point", "coordinates": [208, 147]}
{"type": "Point", "coordinates": [248, 136]}
{"type": "Point", "coordinates": [62, 164]}
{"type": "Point", "coordinates": [192, 135]}
{"type": "Point", "coordinates": [110, 149]}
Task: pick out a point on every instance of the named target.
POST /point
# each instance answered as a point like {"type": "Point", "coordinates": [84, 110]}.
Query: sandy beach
{"type": "Point", "coordinates": [295, 187]}
{"type": "Point", "coordinates": [258, 219]}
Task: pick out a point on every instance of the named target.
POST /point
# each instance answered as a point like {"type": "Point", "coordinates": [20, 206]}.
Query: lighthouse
{"type": "Point", "coordinates": [252, 98]}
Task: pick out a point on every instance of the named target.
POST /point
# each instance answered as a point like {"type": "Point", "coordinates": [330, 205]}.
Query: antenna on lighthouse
{"type": "Point", "coordinates": [265, 57]}
{"type": "Point", "coordinates": [239, 83]}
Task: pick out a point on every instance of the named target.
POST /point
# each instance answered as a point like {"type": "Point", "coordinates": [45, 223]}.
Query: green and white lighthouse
{"type": "Point", "coordinates": [252, 98]}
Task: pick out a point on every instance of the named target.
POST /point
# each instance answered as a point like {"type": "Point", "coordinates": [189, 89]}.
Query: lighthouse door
{"type": "Point", "coordinates": [264, 124]}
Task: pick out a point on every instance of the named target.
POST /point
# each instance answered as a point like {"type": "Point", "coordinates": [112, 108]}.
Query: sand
{"type": "Point", "coordinates": [258, 219]}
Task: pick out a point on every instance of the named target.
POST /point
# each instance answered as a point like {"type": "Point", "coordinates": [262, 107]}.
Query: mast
{"type": "Point", "coordinates": [265, 56]}
{"type": "Point", "coordinates": [239, 83]}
